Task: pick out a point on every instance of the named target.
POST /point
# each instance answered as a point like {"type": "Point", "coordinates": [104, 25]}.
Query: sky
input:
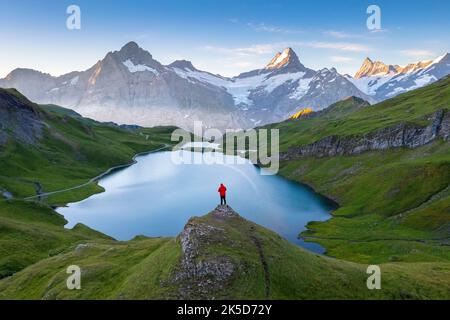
{"type": "Point", "coordinates": [221, 36]}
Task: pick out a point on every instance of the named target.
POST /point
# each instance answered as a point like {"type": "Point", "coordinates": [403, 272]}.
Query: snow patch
{"type": "Point", "coordinates": [133, 68]}
{"type": "Point", "coordinates": [302, 89]}
{"type": "Point", "coordinates": [439, 59]}
{"type": "Point", "coordinates": [274, 82]}
{"type": "Point", "coordinates": [423, 81]}
{"type": "Point", "coordinates": [370, 85]}
{"type": "Point", "coordinates": [241, 88]}
{"type": "Point", "coordinates": [396, 91]}
{"type": "Point", "coordinates": [204, 77]}
{"type": "Point", "coordinates": [74, 80]}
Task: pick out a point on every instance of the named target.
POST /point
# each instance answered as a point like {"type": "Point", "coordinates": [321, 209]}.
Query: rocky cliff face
{"type": "Point", "coordinates": [202, 277]}
{"type": "Point", "coordinates": [19, 118]}
{"type": "Point", "coordinates": [401, 135]}
{"type": "Point", "coordinates": [382, 81]}
{"type": "Point", "coordinates": [370, 68]}
{"type": "Point", "coordinates": [130, 86]}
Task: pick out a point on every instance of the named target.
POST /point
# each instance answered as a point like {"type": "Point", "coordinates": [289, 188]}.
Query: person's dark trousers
{"type": "Point", "coordinates": [223, 200]}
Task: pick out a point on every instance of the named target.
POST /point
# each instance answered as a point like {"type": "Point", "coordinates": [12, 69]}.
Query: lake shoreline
{"type": "Point", "coordinates": [96, 178]}
{"type": "Point", "coordinates": [333, 203]}
{"type": "Point", "coordinates": [304, 205]}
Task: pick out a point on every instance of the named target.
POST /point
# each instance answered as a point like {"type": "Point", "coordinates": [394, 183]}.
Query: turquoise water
{"type": "Point", "coordinates": [156, 197]}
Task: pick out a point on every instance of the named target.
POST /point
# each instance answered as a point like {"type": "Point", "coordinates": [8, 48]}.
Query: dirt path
{"type": "Point", "coordinates": [41, 195]}
{"type": "Point", "coordinates": [39, 190]}
{"type": "Point", "coordinates": [36, 184]}
{"type": "Point", "coordinates": [264, 264]}
{"type": "Point", "coordinates": [433, 198]}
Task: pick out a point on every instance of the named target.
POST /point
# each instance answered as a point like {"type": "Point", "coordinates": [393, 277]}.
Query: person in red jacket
{"type": "Point", "coordinates": [223, 192]}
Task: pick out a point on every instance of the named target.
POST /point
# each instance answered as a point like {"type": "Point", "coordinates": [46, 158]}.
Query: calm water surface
{"type": "Point", "coordinates": [156, 197]}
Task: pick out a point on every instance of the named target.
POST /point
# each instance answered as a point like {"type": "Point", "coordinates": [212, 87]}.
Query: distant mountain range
{"type": "Point", "coordinates": [382, 81]}
{"type": "Point", "coordinates": [129, 86]}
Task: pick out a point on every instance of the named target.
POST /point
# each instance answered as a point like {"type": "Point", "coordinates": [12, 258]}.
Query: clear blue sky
{"type": "Point", "coordinates": [225, 37]}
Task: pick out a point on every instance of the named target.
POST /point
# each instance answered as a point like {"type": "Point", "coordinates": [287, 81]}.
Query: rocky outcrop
{"type": "Point", "coordinates": [371, 68]}
{"type": "Point", "coordinates": [19, 118]}
{"type": "Point", "coordinates": [201, 274]}
{"type": "Point", "coordinates": [401, 135]}
{"type": "Point", "coordinates": [6, 194]}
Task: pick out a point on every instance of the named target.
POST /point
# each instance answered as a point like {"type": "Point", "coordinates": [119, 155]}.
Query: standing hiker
{"type": "Point", "coordinates": [223, 192]}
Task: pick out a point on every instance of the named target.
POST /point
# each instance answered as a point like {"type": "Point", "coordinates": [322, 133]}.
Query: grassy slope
{"type": "Point", "coordinates": [394, 204]}
{"type": "Point", "coordinates": [377, 220]}
{"type": "Point", "coordinates": [142, 269]}
{"type": "Point", "coordinates": [138, 268]}
{"type": "Point", "coordinates": [413, 107]}
{"type": "Point", "coordinates": [72, 151]}
{"type": "Point", "coordinates": [30, 232]}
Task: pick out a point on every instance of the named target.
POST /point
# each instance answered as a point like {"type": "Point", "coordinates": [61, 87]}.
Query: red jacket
{"type": "Point", "coordinates": [222, 190]}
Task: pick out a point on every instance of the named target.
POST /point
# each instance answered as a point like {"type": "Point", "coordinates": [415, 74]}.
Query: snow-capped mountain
{"type": "Point", "coordinates": [129, 86]}
{"type": "Point", "coordinates": [382, 81]}
{"type": "Point", "coordinates": [271, 94]}
{"type": "Point", "coordinates": [370, 68]}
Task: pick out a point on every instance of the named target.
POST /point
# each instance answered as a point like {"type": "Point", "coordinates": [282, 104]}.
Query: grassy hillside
{"type": "Point", "coordinates": [264, 266]}
{"type": "Point", "coordinates": [70, 152]}
{"type": "Point", "coordinates": [30, 232]}
{"type": "Point", "coordinates": [394, 204]}
{"type": "Point", "coordinates": [413, 107]}
{"type": "Point", "coordinates": [394, 212]}
{"type": "Point", "coordinates": [339, 109]}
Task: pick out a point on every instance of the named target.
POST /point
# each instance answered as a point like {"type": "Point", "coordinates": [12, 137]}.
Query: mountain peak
{"type": "Point", "coordinates": [132, 49]}
{"type": "Point", "coordinates": [282, 59]}
{"type": "Point", "coordinates": [182, 64]}
{"type": "Point", "coordinates": [25, 73]}
{"type": "Point", "coordinates": [132, 56]}
{"type": "Point", "coordinates": [442, 58]}
{"type": "Point", "coordinates": [371, 68]}
{"type": "Point", "coordinates": [378, 68]}
{"type": "Point", "coordinates": [130, 46]}
{"type": "Point", "coordinates": [420, 65]}
{"type": "Point", "coordinates": [368, 60]}
{"type": "Point", "coordinates": [412, 67]}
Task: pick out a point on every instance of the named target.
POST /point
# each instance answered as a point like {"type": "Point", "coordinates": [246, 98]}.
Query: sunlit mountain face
{"type": "Point", "coordinates": [382, 81]}
{"type": "Point", "coordinates": [130, 86]}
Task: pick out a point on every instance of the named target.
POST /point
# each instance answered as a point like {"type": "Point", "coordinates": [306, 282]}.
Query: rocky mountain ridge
{"type": "Point", "coordinates": [371, 68]}
{"type": "Point", "coordinates": [19, 117]}
{"type": "Point", "coordinates": [382, 81]}
{"type": "Point", "coordinates": [129, 86]}
{"type": "Point", "coordinates": [401, 135]}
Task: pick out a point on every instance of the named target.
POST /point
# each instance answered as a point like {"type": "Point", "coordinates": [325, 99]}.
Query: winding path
{"type": "Point", "coordinates": [264, 264]}
{"type": "Point", "coordinates": [95, 179]}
